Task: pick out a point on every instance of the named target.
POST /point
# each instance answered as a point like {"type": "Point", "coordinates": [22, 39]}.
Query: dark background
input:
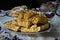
{"type": "Point", "coordinates": [8, 4]}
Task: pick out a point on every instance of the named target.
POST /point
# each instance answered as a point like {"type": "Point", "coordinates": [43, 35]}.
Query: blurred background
{"type": "Point", "coordinates": [8, 4]}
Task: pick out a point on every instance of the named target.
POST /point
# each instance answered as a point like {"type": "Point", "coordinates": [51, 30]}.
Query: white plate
{"type": "Point", "coordinates": [6, 19]}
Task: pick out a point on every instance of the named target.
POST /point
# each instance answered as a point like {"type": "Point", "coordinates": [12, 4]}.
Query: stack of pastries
{"type": "Point", "coordinates": [29, 21]}
{"type": "Point", "coordinates": [17, 9]}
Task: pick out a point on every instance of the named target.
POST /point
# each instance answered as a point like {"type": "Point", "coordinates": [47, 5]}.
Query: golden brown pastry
{"type": "Point", "coordinates": [34, 28]}
{"type": "Point", "coordinates": [21, 15]}
{"type": "Point", "coordinates": [24, 23]}
{"type": "Point", "coordinates": [29, 14]}
{"type": "Point", "coordinates": [15, 8]}
{"type": "Point", "coordinates": [44, 27]}
{"type": "Point", "coordinates": [12, 14]}
{"type": "Point", "coordinates": [43, 19]}
{"type": "Point", "coordinates": [12, 27]}
{"type": "Point", "coordinates": [24, 29]}
{"type": "Point", "coordinates": [35, 19]}
{"type": "Point", "coordinates": [14, 21]}
{"type": "Point", "coordinates": [28, 22]}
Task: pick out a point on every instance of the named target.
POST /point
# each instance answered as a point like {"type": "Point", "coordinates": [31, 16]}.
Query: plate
{"type": "Point", "coordinates": [6, 19]}
{"type": "Point", "coordinates": [29, 33]}
{"type": "Point", "coordinates": [34, 33]}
